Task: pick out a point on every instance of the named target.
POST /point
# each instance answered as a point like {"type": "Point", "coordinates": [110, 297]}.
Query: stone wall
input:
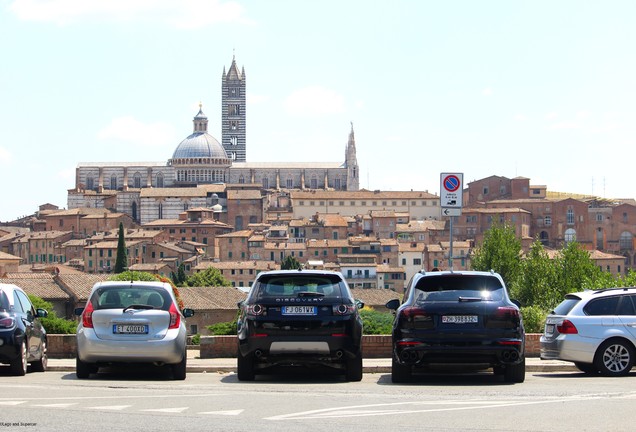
{"type": "Point", "coordinates": [373, 346]}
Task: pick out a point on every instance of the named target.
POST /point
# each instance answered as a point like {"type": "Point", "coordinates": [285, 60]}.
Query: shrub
{"type": "Point", "coordinates": [52, 323]}
{"type": "Point", "coordinates": [533, 318]}
{"type": "Point", "coordinates": [376, 323]}
{"type": "Point", "coordinates": [223, 328]}
{"type": "Point", "coordinates": [196, 339]}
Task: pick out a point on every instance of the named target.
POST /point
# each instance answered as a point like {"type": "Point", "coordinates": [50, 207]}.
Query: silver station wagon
{"type": "Point", "coordinates": [596, 330]}
{"type": "Point", "coordinates": [131, 322]}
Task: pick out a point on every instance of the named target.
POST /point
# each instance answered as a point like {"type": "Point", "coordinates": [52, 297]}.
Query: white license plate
{"type": "Point", "coordinates": [459, 319]}
{"type": "Point", "coordinates": [299, 310]}
{"type": "Point", "coordinates": [549, 329]}
{"type": "Point", "coordinates": [130, 329]}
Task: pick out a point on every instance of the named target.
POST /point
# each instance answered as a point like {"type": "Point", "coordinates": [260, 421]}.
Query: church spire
{"type": "Point", "coordinates": [351, 162]}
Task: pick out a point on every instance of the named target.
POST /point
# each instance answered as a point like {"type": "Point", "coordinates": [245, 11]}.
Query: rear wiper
{"type": "Point", "coordinates": [470, 299]}
{"type": "Point", "coordinates": [138, 306]}
{"type": "Point", "coordinates": [310, 294]}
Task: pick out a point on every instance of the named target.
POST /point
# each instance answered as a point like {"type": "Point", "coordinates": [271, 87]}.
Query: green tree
{"type": "Point", "coordinates": [179, 278]}
{"type": "Point", "coordinates": [537, 284]}
{"type": "Point", "coordinates": [122, 257]}
{"type": "Point", "coordinates": [575, 270]}
{"type": "Point", "coordinates": [290, 263]}
{"type": "Point", "coordinates": [208, 277]}
{"type": "Point", "coordinates": [130, 275]}
{"type": "Point", "coordinates": [500, 251]}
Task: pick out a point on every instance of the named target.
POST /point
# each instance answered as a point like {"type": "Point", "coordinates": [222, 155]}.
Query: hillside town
{"type": "Point", "coordinates": [207, 206]}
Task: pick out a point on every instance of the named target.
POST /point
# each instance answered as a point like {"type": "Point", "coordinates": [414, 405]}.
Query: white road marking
{"type": "Point", "coordinates": [11, 402]}
{"type": "Point", "coordinates": [168, 410]}
{"type": "Point", "coordinates": [59, 405]}
{"type": "Point", "coordinates": [225, 413]}
{"type": "Point", "coordinates": [110, 407]}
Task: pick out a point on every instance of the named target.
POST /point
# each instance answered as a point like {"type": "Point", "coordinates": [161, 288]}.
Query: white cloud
{"type": "Point", "coordinates": [67, 174]}
{"type": "Point", "coordinates": [131, 130]}
{"type": "Point", "coordinates": [5, 156]}
{"type": "Point", "coordinates": [487, 91]}
{"type": "Point", "coordinates": [254, 98]}
{"type": "Point", "coordinates": [521, 117]}
{"type": "Point", "coordinates": [180, 14]}
{"type": "Point", "coordinates": [314, 101]}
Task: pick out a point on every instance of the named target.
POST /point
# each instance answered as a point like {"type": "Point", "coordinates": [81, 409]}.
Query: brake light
{"type": "Point", "coordinates": [507, 312]}
{"type": "Point", "coordinates": [175, 317]}
{"type": "Point", "coordinates": [414, 314]}
{"type": "Point", "coordinates": [87, 315]}
{"type": "Point", "coordinates": [7, 322]}
{"type": "Point", "coordinates": [344, 309]}
{"type": "Point", "coordinates": [567, 327]}
{"type": "Point", "coordinates": [254, 310]}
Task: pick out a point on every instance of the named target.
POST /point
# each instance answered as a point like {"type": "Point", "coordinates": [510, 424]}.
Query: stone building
{"type": "Point", "coordinates": [200, 168]}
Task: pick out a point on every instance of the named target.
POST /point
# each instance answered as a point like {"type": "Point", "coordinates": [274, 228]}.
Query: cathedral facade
{"type": "Point", "coordinates": [201, 169]}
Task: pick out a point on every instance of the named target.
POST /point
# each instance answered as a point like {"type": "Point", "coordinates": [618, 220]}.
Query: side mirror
{"type": "Point", "coordinates": [42, 313]}
{"type": "Point", "coordinates": [78, 311]}
{"type": "Point", "coordinates": [187, 312]}
{"type": "Point", "coordinates": [359, 304]}
{"type": "Point", "coordinates": [393, 304]}
{"type": "Point", "coordinates": [516, 302]}
{"type": "Point", "coordinates": [240, 304]}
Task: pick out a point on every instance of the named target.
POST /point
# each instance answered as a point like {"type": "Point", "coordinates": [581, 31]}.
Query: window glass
{"type": "Point", "coordinates": [125, 296]}
{"type": "Point", "coordinates": [17, 305]}
{"type": "Point", "coordinates": [277, 286]}
{"type": "Point", "coordinates": [451, 287]}
{"type": "Point", "coordinates": [566, 305]}
{"type": "Point", "coordinates": [626, 306]}
{"type": "Point", "coordinates": [602, 306]}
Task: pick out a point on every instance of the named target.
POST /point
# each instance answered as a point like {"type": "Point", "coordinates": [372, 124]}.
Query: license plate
{"type": "Point", "coordinates": [130, 329]}
{"type": "Point", "coordinates": [299, 310]}
{"type": "Point", "coordinates": [459, 319]}
{"type": "Point", "coordinates": [549, 329]}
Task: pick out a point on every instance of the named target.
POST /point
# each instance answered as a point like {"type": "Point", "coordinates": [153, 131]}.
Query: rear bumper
{"type": "Point", "coordinates": [572, 348]}
{"type": "Point", "coordinates": [493, 353]}
{"type": "Point", "coordinates": [170, 349]}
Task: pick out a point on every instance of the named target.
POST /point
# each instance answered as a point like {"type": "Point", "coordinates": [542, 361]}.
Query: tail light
{"type": "Point", "coordinates": [254, 310]}
{"type": "Point", "coordinates": [7, 322]}
{"type": "Point", "coordinates": [344, 309]}
{"type": "Point", "coordinates": [87, 315]}
{"type": "Point", "coordinates": [567, 327]}
{"type": "Point", "coordinates": [416, 317]}
{"type": "Point", "coordinates": [175, 317]}
{"type": "Point", "coordinates": [507, 313]}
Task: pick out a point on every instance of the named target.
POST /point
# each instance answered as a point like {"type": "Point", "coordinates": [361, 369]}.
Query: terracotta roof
{"type": "Point", "coordinates": [8, 257]}
{"type": "Point", "coordinates": [80, 285]}
{"type": "Point", "coordinates": [209, 298]}
{"type": "Point", "coordinates": [39, 284]}
{"type": "Point", "coordinates": [362, 194]}
{"type": "Point", "coordinates": [223, 265]}
{"type": "Point", "coordinates": [374, 297]}
{"type": "Point", "coordinates": [243, 233]}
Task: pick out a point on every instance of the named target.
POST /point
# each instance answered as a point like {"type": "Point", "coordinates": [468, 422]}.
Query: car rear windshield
{"type": "Point", "coordinates": [452, 287]}
{"type": "Point", "coordinates": [566, 305]}
{"type": "Point", "coordinates": [299, 286]}
{"type": "Point", "coordinates": [125, 296]}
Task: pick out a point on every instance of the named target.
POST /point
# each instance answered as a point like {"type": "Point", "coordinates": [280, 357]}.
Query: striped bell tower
{"type": "Point", "coordinates": [233, 113]}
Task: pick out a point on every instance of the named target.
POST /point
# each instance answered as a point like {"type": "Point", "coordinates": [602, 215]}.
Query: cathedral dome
{"type": "Point", "coordinates": [199, 145]}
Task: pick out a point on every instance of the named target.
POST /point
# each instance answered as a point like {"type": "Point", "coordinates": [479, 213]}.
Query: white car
{"type": "Point", "coordinates": [596, 330]}
{"type": "Point", "coordinates": [131, 322]}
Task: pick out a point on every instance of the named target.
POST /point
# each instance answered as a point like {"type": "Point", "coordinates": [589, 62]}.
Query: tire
{"type": "Point", "coordinates": [19, 365]}
{"type": "Point", "coordinates": [587, 368]}
{"type": "Point", "coordinates": [515, 373]}
{"type": "Point", "coordinates": [399, 372]}
{"type": "Point", "coordinates": [82, 369]}
{"type": "Point", "coordinates": [614, 358]}
{"type": "Point", "coordinates": [354, 368]}
{"type": "Point", "coordinates": [245, 368]}
{"type": "Point", "coordinates": [179, 369]}
{"type": "Point", "coordinates": [41, 365]}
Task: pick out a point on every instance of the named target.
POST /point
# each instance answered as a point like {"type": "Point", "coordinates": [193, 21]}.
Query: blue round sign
{"type": "Point", "coordinates": [451, 183]}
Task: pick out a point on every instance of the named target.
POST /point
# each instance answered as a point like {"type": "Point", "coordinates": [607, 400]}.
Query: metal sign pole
{"type": "Point", "coordinates": [450, 252]}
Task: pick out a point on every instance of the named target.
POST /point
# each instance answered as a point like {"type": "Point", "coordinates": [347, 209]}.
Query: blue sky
{"type": "Point", "coordinates": [539, 89]}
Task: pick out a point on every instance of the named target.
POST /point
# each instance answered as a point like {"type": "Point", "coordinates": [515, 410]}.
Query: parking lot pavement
{"type": "Point", "coordinates": [370, 365]}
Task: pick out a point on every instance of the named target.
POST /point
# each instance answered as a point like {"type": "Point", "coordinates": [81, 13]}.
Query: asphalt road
{"type": "Point", "coordinates": [292, 401]}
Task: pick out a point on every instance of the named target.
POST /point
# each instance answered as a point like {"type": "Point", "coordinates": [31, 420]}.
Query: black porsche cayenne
{"type": "Point", "coordinates": [458, 318]}
{"type": "Point", "coordinates": [299, 318]}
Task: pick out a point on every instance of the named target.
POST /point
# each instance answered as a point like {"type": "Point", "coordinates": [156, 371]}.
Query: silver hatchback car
{"type": "Point", "coordinates": [596, 330]}
{"type": "Point", "coordinates": [131, 322]}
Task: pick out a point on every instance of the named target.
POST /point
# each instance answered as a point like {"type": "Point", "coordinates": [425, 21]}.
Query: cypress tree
{"type": "Point", "coordinates": [122, 256]}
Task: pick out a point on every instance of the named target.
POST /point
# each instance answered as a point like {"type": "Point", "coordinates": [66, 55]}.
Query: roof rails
{"type": "Point", "coordinates": [612, 289]}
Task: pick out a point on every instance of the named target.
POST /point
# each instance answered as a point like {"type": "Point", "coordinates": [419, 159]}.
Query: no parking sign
{"type": "Point", "coordinates": [451, 190]}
